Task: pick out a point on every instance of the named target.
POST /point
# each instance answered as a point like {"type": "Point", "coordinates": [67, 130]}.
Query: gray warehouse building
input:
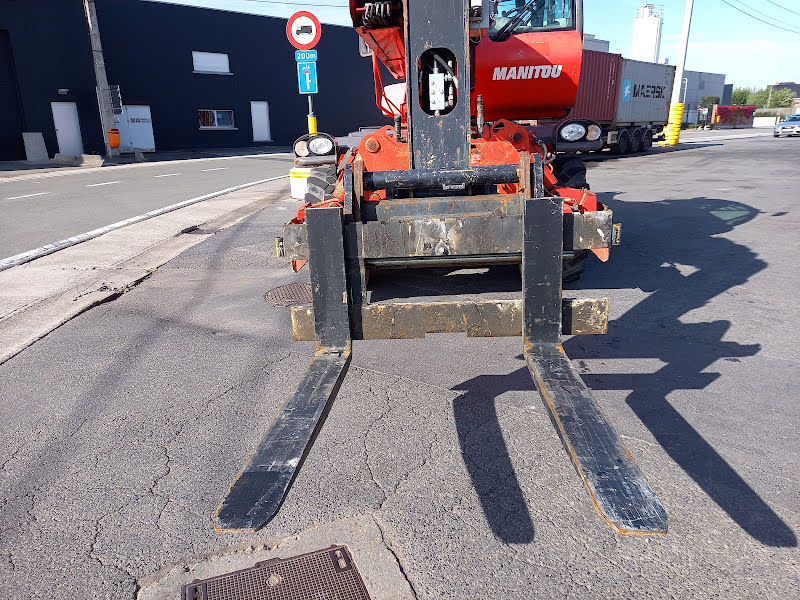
{"type": "Point", "coordinates": [698, 84]}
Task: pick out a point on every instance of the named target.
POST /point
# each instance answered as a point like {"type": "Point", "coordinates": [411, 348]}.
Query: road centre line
{"type": "Point", "coordinates": [166, 175]}
{"type": "Point", "coordinates": [214, 169]}
{"type": "Point", "coordinates": [104, 183]}
{"type": "Point", "coordinates": [30, 255]}
{"type": "Point", "coordinates": [26, 196]}
{"type": "Point", "coordinates": [280, 156]}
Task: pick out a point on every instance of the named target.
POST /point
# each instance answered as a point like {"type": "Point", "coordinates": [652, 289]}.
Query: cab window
{"type": "Point", "coordinates": [532, 15]}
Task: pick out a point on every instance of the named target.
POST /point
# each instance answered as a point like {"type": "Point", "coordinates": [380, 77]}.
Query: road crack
{"type": "Point", "coordinates": [390, 547]}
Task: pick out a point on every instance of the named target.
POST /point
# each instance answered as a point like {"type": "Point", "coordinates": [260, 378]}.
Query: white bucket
{"type": "Point", "coordinates": [298, 182]}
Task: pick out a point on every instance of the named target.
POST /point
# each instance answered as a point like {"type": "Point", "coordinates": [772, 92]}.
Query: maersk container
{"type": "Point", "coordinates": [597, 90]}
{"type": "Point", "coordinates": [644, 92]}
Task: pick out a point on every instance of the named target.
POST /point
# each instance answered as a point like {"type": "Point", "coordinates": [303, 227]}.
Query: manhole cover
{"type": "Point", "coordinates": [290, 295]}
{"type": "Point", "coordinates": [328, 574]}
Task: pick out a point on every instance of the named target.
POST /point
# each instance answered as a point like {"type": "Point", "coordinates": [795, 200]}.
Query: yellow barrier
{"type": "Point", "coordinates": [672, 131]}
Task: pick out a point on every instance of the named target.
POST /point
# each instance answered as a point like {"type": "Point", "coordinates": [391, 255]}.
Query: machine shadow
{"type": "Point", "coordinates": [675, 252]}
{"type": "Point", "coordinates": [672, 249]}
{"type": "Point", "coordinates": [486, 455]}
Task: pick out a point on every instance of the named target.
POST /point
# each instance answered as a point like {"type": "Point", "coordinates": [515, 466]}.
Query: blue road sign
{"type": "Point", "coordinates": [305, 55]}
{"type": "Point", "coordinates": [307, 77]}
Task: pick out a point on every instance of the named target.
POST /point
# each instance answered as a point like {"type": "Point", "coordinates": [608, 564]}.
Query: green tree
{"type": "Point", "coordinates": [769, 97]}
{"type": "Point", "coordinates": [706, 101]}
{"type": "Point", "coordinates": [782, 98]}
{"type": "Point", "coordinates": [758, 98]}
{"type": "Point", "coordinates": [740, 96]}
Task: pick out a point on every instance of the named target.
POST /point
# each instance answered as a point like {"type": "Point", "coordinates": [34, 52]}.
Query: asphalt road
{"type": "Point", "coordinates": [41, 210]}
{"type": "Point", "coordinates": [121, 430]}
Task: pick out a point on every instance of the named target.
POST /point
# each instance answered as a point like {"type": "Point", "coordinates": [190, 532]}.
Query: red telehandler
{"type": "Point", "coordinates": [456, 182]}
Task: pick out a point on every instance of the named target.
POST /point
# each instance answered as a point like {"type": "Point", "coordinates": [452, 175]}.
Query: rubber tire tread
{"type": "Point", "coordinates": [636, 148]}
{"type": "Point", "coordinates": [570, 172]}
{"type": "Point", "coordinates": [320, 184]}
{"type": "Point", "coordinates": [625, 148]}
{"type": "Point", "coordinates": [646, 145]}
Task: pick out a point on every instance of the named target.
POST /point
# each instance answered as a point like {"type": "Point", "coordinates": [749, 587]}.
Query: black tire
{"type": "Point", "coordinates": [647, 140]}
{"type": "Point", "coordinates": [321, 183]}
{"type": "Point", "coordinates": [570, 172]}
{"type": "Point", "coordinates": [636, 141]}
{"type": "Point", "coordinates": [574, 267]}
{"type": "Point", "coordinates": [623, 145]}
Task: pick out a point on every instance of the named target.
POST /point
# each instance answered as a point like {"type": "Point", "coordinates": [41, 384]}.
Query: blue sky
{"type": "Point", "coordinates": [749, 53]}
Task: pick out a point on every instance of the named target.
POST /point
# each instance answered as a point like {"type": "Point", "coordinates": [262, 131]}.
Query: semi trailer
{"type": "Point", "coordinates": [628, 99]}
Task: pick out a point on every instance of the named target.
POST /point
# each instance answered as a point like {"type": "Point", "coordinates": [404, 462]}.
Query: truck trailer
{"type": "Point", "coordinates": [628, 99]}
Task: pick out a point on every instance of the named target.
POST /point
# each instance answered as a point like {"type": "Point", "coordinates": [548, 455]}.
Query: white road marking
{"type": "Point", "coordinates": [26, 196]}
{"type": "Point", "coordinates": [280, 208]}
{"type": "Point", "coordinates": [104, 183]}
{"type": "Point", "coordinates": [167, 175]}
{"type": "Point", "coordinates": [690, 140]}
{"type": "Point", "coordinates": [214, 169]}
{"type": "Point", "coordinates": [24, 257]}
{"type": "Point", "coordinates": [161, 163]}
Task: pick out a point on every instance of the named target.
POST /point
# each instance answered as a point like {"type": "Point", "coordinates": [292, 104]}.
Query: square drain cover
{"type": "Point", "coordinates": [328, 574]}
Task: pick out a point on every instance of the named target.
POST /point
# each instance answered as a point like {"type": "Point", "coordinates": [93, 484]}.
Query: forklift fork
{"type": "Point", "coordinates": [337, 247]}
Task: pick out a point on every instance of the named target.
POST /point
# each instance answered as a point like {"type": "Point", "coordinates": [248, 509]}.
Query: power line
{"type": "Point", "coordinates": [757, 19]}
{"type": "Point", "coordinates": [763, 14]}
{"type": "Point", "coordinates": [783, 7]}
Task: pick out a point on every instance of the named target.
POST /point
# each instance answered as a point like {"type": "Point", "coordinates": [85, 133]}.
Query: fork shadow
{"type": "Point", "coordinates": [674, 237]}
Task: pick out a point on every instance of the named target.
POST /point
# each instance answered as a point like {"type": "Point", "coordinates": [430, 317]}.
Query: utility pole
{"type": "Point", "coordinates": [673, 129]}
{"type": "Point", "coordinates": [103, 100]}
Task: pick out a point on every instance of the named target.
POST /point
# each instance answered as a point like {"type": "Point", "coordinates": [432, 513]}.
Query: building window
{"type": "Point", "coordinates": [214, 63]}
{"type": "Point", "coordinates": [216, 119]}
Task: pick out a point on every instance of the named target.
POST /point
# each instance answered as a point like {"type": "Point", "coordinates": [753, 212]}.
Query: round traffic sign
{"type": "Point", "coordinates": [303, 30]}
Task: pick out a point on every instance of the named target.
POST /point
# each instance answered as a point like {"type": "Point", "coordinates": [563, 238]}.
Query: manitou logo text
{"type": "Point", "coordinates": [529, 72]}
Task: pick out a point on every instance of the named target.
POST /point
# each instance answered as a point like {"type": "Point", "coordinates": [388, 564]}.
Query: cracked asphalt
{"type": "Point", "coordinates": [121, 430]}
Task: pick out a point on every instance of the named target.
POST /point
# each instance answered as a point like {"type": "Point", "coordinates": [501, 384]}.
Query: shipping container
{"type": "Point", "coordinates": [597, 87]}
{"type": "Point", "coordinates": [629, 99]}
{"type": "Point", "coordinates": [644, 93]}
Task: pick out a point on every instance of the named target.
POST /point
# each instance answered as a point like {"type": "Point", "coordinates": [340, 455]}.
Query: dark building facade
{"type": "Point", "coordinates": [197, 78]}
{"type": "Point", "coordinates": [44, 48]}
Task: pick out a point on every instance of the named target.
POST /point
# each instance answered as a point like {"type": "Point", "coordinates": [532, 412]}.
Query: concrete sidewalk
{"type": "Point", "coordinates": [39, 296]}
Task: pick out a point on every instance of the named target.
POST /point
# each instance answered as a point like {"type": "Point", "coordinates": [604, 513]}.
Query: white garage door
{"type": "Point", "coordinates": [259, 110]}
{"type": "Point", "coordinates": [136, 129]}
{"type": "Point", "coordinates": [68, 128]}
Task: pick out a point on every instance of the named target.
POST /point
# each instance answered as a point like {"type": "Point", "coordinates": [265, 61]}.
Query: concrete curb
{"type": "Point", "coordinates": [24, 257]}
{"type": "Point", "coordinates": [31, 322]}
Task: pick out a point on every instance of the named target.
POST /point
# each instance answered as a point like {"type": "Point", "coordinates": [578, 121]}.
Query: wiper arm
{"type": "Point", "coordinates": [506, 30]}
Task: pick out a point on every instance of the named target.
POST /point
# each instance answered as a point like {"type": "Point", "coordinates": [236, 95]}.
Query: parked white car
{"type": "Point", "coordinates": [789, 126]}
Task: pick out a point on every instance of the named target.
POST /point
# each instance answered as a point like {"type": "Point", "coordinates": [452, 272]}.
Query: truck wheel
{"type": "Point", "coordinates": [573, 268]}
{"type": "Point", "coordinates": [321, 183]}
{"type": "Point", "coordinates": [636, 141]}
{"type": "Point", "coordinates": [570, 172]}
{"type": "Point", "coordinates": [647, 140]}
{"type": "Point", "coordinates": [623, 145]}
